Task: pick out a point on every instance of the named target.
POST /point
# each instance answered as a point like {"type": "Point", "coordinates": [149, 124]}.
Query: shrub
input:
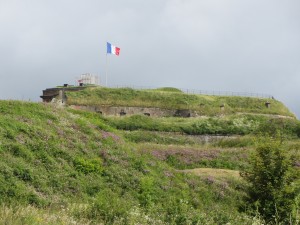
{"type": "Point", "coordinates": [288, 127]}
{"type": "Point", "coordinates": [271, 178]}
{"type": "Point", "coordinates": [87, 166]}
{"type": "Point", "coordinates": [147, 191]}
{"type": "Point", "coordinates": [298, 130]}
{"type": "Point", "coordinates": [110, 208]}
{"type": "Point", "coordinates": [22, 173]}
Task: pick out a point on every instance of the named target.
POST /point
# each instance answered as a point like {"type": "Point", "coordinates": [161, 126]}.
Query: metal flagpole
{"type": "Point", "coordinates": [106, 71]}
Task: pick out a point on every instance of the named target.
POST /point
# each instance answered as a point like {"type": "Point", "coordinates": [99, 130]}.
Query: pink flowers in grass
{"type": "Point", "coordinates": [188, 156]}
{"type": "Point", "coordinates": [106, 134]}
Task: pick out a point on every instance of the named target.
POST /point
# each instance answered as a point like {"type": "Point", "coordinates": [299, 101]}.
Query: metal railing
{"type": "Point", "coordinates": [201, 92]}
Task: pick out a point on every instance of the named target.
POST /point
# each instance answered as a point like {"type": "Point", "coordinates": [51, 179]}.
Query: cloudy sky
{"type": "Point", "coordinates": [220, 45]}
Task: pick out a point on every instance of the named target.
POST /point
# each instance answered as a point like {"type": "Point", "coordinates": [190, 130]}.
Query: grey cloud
{"type": "Point", "coordinates": [233, 45]}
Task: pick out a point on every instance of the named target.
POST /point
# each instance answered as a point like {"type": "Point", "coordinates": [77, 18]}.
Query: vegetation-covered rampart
{"type": "Point", "coordinates": [172, 99]}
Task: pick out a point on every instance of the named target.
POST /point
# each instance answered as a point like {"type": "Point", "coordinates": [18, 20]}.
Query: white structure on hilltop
{"type": "Point", "coordinates": [88, 78]}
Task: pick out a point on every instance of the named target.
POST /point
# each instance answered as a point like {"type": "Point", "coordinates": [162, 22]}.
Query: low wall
{"type": "Point", "coordinates": [128, 111]}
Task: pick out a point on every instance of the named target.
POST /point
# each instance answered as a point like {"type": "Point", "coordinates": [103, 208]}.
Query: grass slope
{"type": "Point", "coordinates": [55, 160]}
{"type": "Point", "coordinates": [61, 166]}
{"type": "Point", "coordinates": [171, 98]}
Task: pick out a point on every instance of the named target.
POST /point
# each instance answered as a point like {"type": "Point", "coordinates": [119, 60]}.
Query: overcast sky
{"type": "Point", "coordinates": [220, 45]}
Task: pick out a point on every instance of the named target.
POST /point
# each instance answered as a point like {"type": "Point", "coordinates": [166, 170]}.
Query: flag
{"type": "Point", "coordinates": [111, 49]}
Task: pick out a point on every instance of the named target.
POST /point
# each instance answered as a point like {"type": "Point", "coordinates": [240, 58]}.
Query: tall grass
{"type": "Point", "coordinates": [30, 215]}
{"type": "Point", "coordinates": [228, 125]}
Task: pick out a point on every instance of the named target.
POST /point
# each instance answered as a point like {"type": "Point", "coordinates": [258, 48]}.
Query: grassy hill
{"type": "Point", "coordinates": [62, 166]}
{"type": "Point", "coordinates": [171, 98]}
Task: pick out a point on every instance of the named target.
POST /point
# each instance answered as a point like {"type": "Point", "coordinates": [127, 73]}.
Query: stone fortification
{"type": "Point", "coordinates": [125, 110]}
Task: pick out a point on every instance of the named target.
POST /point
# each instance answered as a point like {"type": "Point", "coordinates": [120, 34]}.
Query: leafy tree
{"type": "Point", "coordinates": [271, 177]}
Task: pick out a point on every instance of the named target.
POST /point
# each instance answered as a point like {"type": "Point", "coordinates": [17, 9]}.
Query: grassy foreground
{"type": "Point", "coordinates": [61, 166]}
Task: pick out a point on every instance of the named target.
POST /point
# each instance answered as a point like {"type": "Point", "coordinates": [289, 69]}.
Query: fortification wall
{"type": "Point", "coordinates": [122, 111]}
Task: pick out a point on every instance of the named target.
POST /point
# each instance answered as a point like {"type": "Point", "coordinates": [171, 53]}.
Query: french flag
{"type": "Point", "coordinates": [111, 49]}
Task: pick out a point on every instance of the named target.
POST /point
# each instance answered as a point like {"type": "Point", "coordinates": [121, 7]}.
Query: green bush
{"type": "Point", "coordinates": [87, 166]}
{"type": "Point", "coordinates": [271, 177]}
{"type": "Point", "coordinates": [147, 191]}
{"type": "Point", "coordinates": [110, 208]}
{"type": "Point", "coordinates": [297, 129]}
{"type": "Point", "coordinates": [288, 127]}
{"type": "Point", "coordinates": [22, 173]}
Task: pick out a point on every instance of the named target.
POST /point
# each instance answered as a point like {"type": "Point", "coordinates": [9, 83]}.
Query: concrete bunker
{"type": "Point", "coordinates": [222, 107]}
{"type": "Point", "coordinates": [182, 113]}
{"type": "Point", "coordinates": [122, 112]}
{"type": "Point", "coordinates": [268, 104]}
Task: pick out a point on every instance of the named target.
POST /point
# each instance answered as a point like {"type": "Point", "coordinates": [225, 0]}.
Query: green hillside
{"type": "Point", "coordinates": [62, 166]}
{"type": "Point", "coordinates": [171, 98]}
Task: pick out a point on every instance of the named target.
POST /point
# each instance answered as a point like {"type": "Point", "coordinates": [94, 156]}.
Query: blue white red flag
{"type": "Point", "coordinates": [111, 49]}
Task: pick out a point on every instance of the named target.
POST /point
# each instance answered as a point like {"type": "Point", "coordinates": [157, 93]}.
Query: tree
{"type": "Point", "coordinates": [271, 177]}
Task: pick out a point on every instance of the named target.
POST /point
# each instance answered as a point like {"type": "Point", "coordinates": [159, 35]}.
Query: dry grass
{"type": "Point", "coordinates": [23, 215]}
{"type": "Point", "coordinates": [216, 173]}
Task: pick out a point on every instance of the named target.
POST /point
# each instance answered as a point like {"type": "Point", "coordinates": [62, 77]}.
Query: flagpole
{"type": "Point", "coordinates": [106, 72]}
